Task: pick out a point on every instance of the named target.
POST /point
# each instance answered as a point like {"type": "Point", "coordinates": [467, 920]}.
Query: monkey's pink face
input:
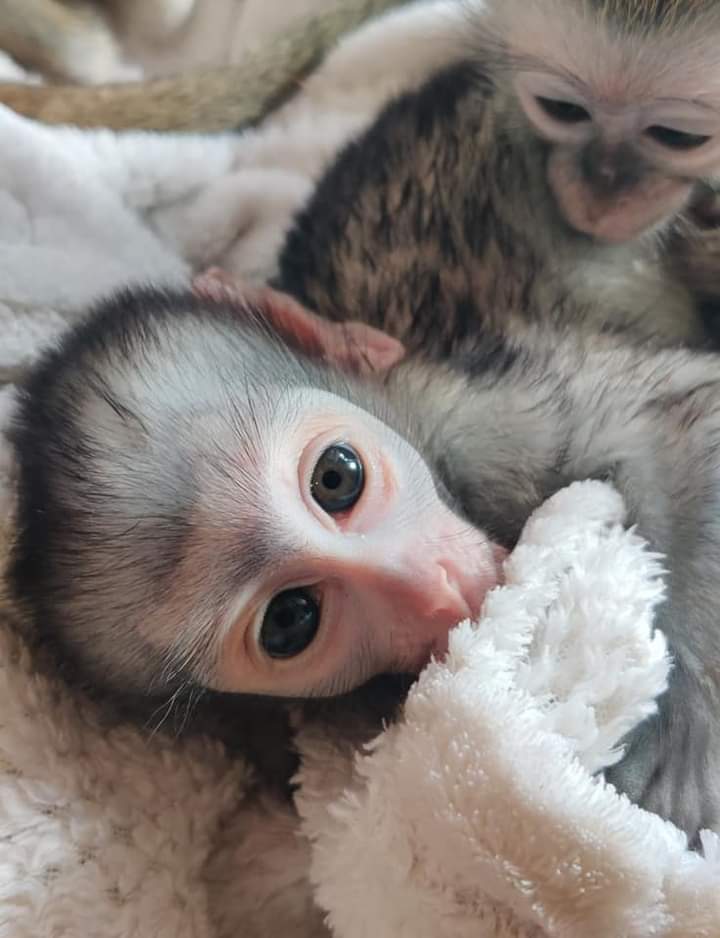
{"type": "Point", "coordinates": [368, 570]}
{"type": "Point", "coordinates": [619, 165]}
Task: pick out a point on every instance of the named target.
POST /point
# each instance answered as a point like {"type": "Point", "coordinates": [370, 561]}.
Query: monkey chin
{"type": "Point", "coordinates": [619, 217]}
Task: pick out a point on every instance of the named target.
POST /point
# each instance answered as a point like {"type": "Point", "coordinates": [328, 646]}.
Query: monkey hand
{"type": "Point", "coordinates": [694, 257]}
{"type": "Point", "coordinates": [353, 345]}
{"type": "Point", "coordinates": [705, 207]}
{"type": "Point", "coordinates": [672, 762]}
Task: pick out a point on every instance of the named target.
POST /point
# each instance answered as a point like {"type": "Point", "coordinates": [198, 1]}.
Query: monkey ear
{"type": "Point", "coordinates": [350, 345]}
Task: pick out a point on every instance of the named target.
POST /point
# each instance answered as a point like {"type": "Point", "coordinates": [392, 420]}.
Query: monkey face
{"type": "Point", "coordinates": [369, 569]}
{"type": "Point", "coordinates": [625, 96]}
{"type": "Point", "coordinates": [620, 168]}
{"type": "Point", "coordinates": [216, 508]}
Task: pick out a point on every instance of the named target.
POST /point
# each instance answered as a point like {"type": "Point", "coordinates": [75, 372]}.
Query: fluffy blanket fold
{"type": "Point", "coordinates": [480, 813]}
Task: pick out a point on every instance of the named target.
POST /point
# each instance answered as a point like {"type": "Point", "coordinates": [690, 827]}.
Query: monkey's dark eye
{"type": "Point", "coordinates": [291, 622]}
{"type": "Point", "coordinates": [676, 139]}
{"type": "Point", "coordinates": [563, 111]}
{"type": "Point", "coordinates": [338, 479]}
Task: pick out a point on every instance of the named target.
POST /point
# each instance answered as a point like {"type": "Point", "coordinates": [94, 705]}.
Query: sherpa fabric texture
{"type": "Point", "coordinates": [478, 814]}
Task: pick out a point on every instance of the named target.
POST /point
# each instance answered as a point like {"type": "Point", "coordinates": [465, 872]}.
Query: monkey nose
{"type": "Point", "coordinates": [425, 608]}
{"type": "Point", "coordinates": [609, 170]}
{"type": "Point", "coordinates": [605, 176]}
{"type": "Point", "coordinates": [602, 177]}
{"type": "Point", "coordinates": [418, 596]}
{"type": "Point", "coordinates": [434, 595]}
{"type": "Point", "coordinates": [411, 599]}
{"type": "Point", "coordinates": [426, 601]}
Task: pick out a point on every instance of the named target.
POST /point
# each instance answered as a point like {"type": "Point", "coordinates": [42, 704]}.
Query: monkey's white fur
{"type": "Point", "coordinates": [476, 815]}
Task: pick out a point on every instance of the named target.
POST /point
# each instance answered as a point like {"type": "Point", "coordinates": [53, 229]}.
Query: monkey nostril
{"type": "Point", "coordinates": [609, 171]}
{"type": "Point", "coordinates": [455, 603]}
{"type": "Point", "coordinates": [597, 172]}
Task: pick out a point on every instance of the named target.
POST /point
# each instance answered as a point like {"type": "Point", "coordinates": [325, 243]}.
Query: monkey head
{"type": "Point", "coordinates": [625, 95]}
{"type": "Point", "coordinates": [214, 491]}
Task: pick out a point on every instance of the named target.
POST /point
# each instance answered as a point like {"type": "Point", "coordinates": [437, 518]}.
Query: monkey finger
{"type": "Point", "coordinates": [695, 260]}
{"type": "Point", "coordinates": [216, 284]}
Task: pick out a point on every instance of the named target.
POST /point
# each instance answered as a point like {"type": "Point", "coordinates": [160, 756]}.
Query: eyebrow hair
{"type": "Point", "coordinates": [519, 61]}
{"type": "Point", "coordinates": [212, 599]}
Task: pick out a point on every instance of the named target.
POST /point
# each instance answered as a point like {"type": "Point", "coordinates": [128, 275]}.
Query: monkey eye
{"type": "Point", "coordinates": [338, 478]}
{"type": "Point", "coordinates": [675, 139]}
{"type": "Point", "coordinates": [290, 624]}
{"type": "Point", "coordinates": [565, 112]}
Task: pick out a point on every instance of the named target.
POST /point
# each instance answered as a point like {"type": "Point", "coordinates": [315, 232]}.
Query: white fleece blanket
{"type": "Point", "coordinates": [478, 814]}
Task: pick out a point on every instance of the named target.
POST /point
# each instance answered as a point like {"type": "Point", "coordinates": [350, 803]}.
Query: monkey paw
{"type": "Point", "coordinates": [705, 210]}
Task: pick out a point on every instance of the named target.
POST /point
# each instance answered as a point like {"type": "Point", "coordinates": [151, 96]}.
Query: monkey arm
{"type": "Point", "coordinates": [661, 447]}
{"type": "Point", "coordinates": [672, 764]}
{"type": "Point", "coordinates": [206, 100]}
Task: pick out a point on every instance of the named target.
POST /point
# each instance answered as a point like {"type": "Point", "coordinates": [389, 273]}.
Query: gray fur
{"type": "Point", "coordinates": [142, 423]}
{"type": "Point", "coordinates": [440, 208]}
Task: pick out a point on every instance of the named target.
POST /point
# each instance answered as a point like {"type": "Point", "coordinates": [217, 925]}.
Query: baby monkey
{"type": "Point", "coordinates": [572, 143]}
{"type": "Point", "coordinates": [250, 532]}
{"type": "Point", "coordinates": [224, 491]}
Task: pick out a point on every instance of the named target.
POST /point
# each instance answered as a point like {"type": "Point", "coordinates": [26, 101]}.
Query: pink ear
{"type": "Point", "coordinates": [352, 345]}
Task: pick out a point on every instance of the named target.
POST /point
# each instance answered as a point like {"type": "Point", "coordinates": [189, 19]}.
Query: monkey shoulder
{"type": "Point", "coordinates": [382, 237]}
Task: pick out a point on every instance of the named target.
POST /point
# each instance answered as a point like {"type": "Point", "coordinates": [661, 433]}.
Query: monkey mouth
{"type": "Point", "coordinates": [616, 220]}
{"type": "Point", "coordinates": [619, 214]}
